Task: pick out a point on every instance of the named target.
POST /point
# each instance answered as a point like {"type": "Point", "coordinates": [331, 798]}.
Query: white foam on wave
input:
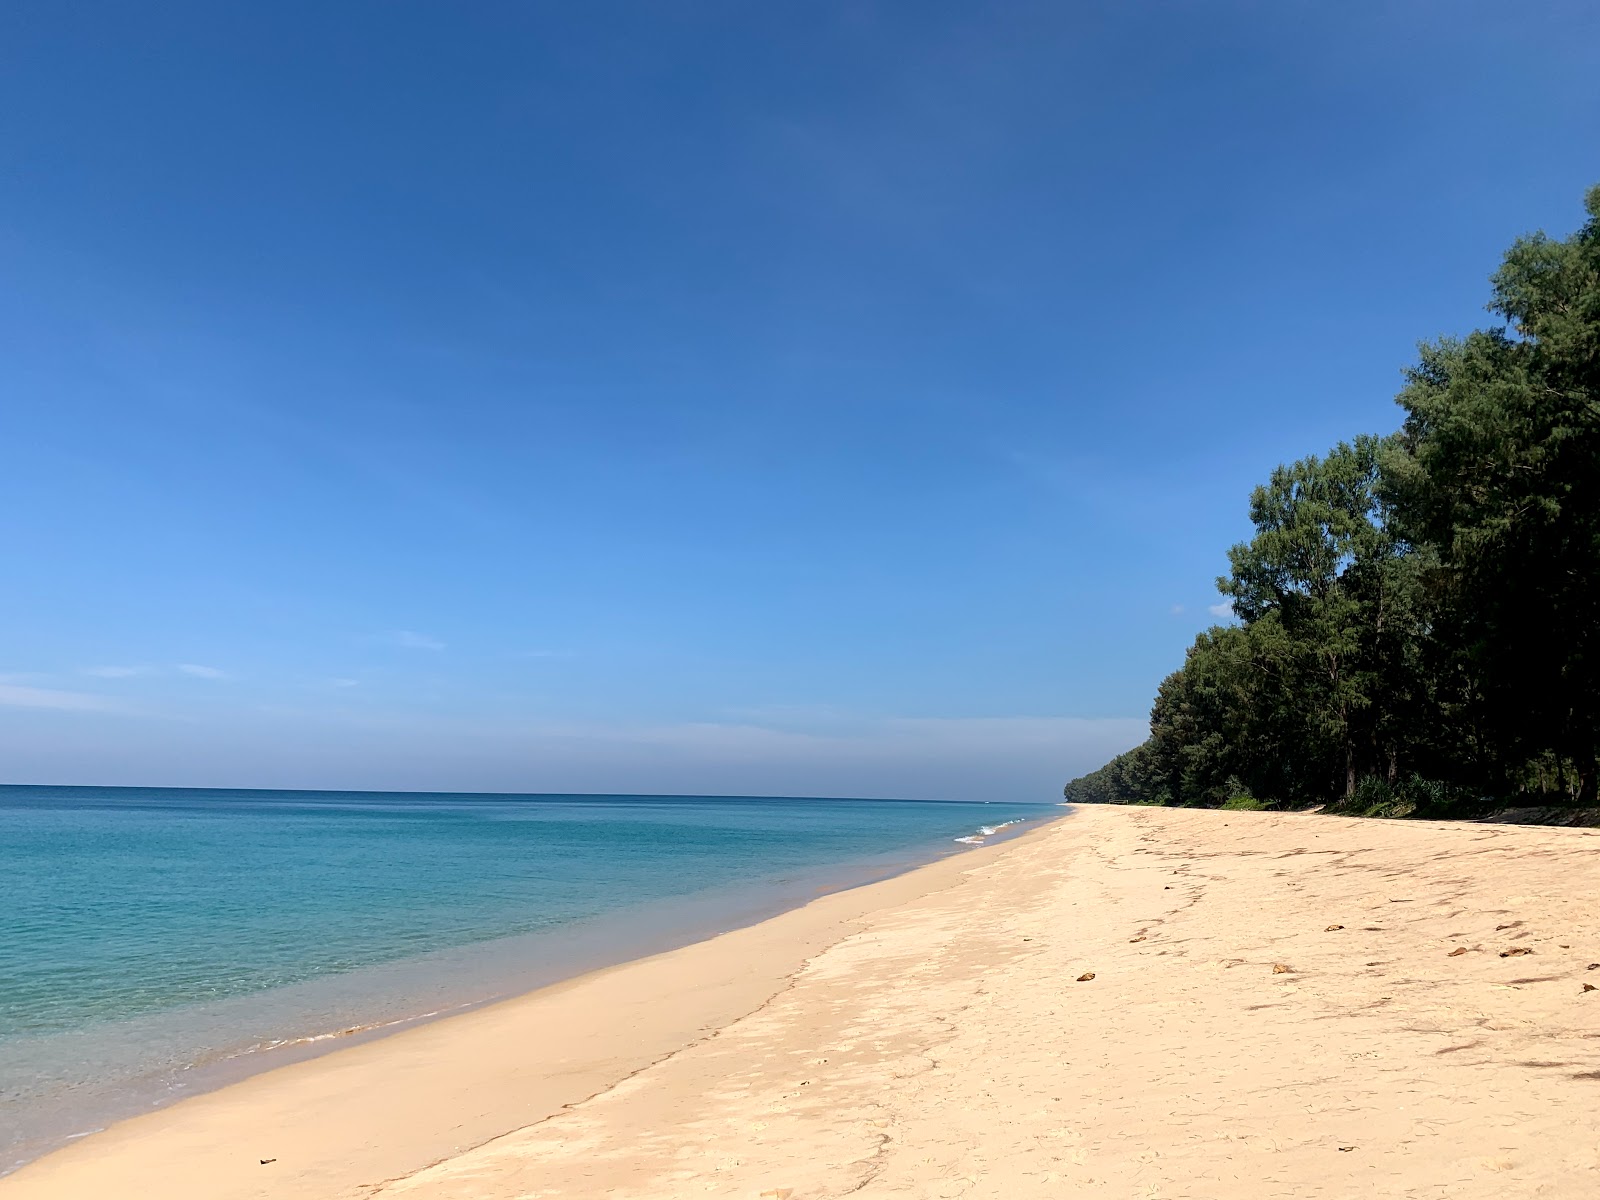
{"type": "Point", "coordinates": [987, 831]}
{"type": "Point", "coordinates": [348, 1031]}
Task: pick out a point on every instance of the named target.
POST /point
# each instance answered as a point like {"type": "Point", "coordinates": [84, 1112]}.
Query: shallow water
{"type": "Point", "coordinates": [159, 941]}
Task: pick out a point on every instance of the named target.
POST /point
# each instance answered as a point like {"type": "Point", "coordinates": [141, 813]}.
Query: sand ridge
{"type": "Point", "coordinates": [1281, 1006]}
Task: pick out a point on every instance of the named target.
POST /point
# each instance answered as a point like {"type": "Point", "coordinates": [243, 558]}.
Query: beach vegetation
{"type": "Point", "coordinates": [1416, 618]}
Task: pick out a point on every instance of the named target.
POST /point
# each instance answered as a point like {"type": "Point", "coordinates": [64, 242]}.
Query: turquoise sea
{"type": "Point", "coordinates": [155, 942]}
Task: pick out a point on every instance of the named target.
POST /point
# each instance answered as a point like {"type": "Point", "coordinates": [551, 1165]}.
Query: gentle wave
{"type": "Point", "coordinates": [986, 832]}
{"type": "Point", "coordinates": [350, 1031]}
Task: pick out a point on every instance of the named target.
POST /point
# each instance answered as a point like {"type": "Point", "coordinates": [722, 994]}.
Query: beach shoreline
{"type": "Point", "coordinates": [76, 1082]}
{"type": "Point", "coordinates": [1096, 1003]}
{"type": "Point", "coordinates": [843, 881]}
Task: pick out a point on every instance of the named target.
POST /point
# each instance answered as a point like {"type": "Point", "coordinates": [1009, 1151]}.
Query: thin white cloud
{"type": "Point", "coordinates": [813, 716]}
{"type": "Point", "coordinates": [815, 753]}
{"type": "Point", "coordinates": [833, 754]}
{"type": "Point", "coordinates": [845, 740]}
{"type": "Point", "coordinates": [344, 683]}
{"type": "Point", "coordinates": [1177, 610]}
{"type": "Point", "coordinates": [18, 696]}
{"type": "Point", "coordinates": [410, 639]}
{"type": "Point", "coordinates": [200, 672]}
{"type": "Point", "coordinates": [1222, 611]}
{"type": "Point", "coordinates": [195, 670]}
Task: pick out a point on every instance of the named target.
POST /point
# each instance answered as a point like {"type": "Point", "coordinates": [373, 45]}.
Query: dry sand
{"type": "Point", "coordinates": [1277, 1009]}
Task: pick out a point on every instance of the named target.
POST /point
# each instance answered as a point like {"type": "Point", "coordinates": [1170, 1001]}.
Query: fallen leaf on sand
{"type": "Point", "coordinates": [1331, 928]}
{"type": "Point", "coordinates": [1593, 967]}
{"type": "Point", "coordinates": [1589, 987]}
{"type": "Point", "coordinates": [777, 1194]}
{"type": "Point", "coordinates": [1140, 938]}
{"type": "Point", "coordinates": [1346, 1149]}
{"type": "Point", "coordinates": [1515, 952]}
{"type": "Point", "coordinates": [1459, 950]}
{"type": "Point", "coordinates": [1281, 969]}
{"type": "Point", "coordinates": [265, 1161]}
{"type": "Point", "coordinates": [1085, 977]}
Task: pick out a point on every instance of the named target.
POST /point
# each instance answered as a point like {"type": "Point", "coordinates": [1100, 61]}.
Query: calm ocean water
{"type": "Point", "coordinates": [154, 942]}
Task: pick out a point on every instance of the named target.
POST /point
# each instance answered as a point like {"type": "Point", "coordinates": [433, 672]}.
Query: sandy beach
{"type": "Point", "coordinates": [1130, 1002]}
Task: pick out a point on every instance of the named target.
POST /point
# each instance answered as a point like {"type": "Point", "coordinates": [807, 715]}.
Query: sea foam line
{"type": "Point", "coordinates": [987, 831]}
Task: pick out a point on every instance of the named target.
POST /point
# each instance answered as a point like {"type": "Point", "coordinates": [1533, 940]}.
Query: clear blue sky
{"type": "Point", "coordinates": [838, 398]}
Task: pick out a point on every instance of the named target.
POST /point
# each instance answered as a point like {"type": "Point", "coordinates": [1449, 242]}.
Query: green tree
{"type": "Point", "coordinates": [1419, 615]}
{"type": "Point", "coordinates": [1334, 597]}
{"type": "Point", "coordinates": [1497, 469]}
{"type": "Point", "coordinates": [1126, 779]}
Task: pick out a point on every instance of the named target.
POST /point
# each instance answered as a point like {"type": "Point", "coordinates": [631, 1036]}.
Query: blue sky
{"type": "Point", "coordinates": [834, 398]}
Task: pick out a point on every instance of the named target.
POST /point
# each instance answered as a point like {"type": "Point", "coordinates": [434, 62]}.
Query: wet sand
{"type": "Point", "coordinates": [1280, 1005]}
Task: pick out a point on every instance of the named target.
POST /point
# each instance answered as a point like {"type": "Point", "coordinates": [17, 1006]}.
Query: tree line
{"type": "Point", "coordinates": [1417, 616]}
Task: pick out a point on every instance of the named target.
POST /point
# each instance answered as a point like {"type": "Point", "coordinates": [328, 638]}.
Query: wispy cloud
{"type": "Point", "coordinates": [826, 752]}
{"type": "Point", "coordinates": [200, 672]}
{"type": "Point", "coordinates": [1177, 610]}
{"type": "Point", "coordinates": [1222, 611]}
{"type": "Point", "coordinates": [344, 683]}
{"type": "Point", "coordinates": [195, 670]}
{"type": "Point", "coordinates": [19, 696]}
{"type": "Point", "coordinates": [839, 737]}
{"type": "Point", "coordinates": [410, 639]}
{"type": "Point", "coordinates": [799, 751]}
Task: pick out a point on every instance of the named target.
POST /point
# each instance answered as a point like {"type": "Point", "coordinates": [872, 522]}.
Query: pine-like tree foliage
{"type": "Point", "coordinates": [1419, 615]}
